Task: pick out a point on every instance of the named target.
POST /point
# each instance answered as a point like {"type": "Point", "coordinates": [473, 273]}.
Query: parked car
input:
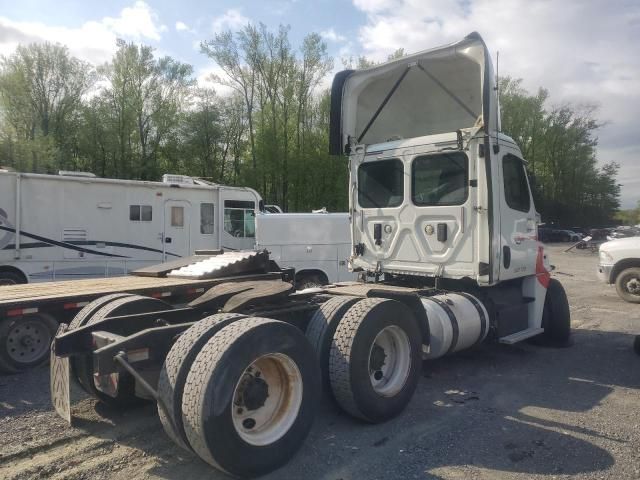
{"type": "Point", "coordinates": [546, 234]}
{"type": "Point", "coordinates": [624, 232]}
{"type": "Point", "coordinates": [571, 236]}
{"type": "Point", "coordinates": [620, 265]}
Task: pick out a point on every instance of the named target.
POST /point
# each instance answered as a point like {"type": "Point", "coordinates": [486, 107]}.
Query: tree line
{"type": "Point", "coordinates": [139, 116]}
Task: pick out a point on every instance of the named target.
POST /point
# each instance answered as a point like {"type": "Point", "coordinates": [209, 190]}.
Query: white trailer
{"type": "Point", "coordinates": [74, 225]}
{"type": "Point", "coordinates": [317, 245]}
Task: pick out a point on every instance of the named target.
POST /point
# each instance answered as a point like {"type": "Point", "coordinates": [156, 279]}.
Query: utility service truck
{"type": "Point", "coordinates": [443, 230]}
{"type": "Point", "coordinates": [317, 245]}
{"type": "Point", "coordinates": [74, 225]}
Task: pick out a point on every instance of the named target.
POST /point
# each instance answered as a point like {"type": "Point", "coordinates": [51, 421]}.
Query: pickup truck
{"type": "Point", "coordinates": [620, 265]}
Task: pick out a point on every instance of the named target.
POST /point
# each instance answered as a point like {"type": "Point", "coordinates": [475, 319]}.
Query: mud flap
{"type": "Point", "coordinates": [60, 375]}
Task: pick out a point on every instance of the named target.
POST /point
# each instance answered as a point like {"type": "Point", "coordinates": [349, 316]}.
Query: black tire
{"type": "Point", "coordinates": [127, 305]}
{"type": "Point", "coordinates": [83, 316]}
{"type": "Point", "coordinates": [321, 328]}
{"type": "Point", "coordinates": [308, 280]}
{"type": "Point", "coordinates": [210, 395]}
{"type": "Point", "coordinates": [636, 344]}
{"type": "Point", "coordinates": [556, 317]}
{"type": "Point", "coordinates": [627, 277]}
{"type": "Point", "coordinates": [176, 368]}
{"type": "Point", "coordinates": [11, 278]}
{"type": "Point", "coordinates": [25, 341]}
{"type": "Point", "coordinates": [350, 357]}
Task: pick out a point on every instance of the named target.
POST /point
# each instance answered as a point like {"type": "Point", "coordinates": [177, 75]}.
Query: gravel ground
{"type": "Point", "coordinates": [495, 412]}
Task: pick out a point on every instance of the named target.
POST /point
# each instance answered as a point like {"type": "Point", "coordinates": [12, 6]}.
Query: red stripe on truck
{"type": "Point", "coordinates": [21, 311]}
{"type": "Point", "coordinates": [544, 277]}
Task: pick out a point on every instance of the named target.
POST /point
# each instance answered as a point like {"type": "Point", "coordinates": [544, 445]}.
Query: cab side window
{"type": "Point", "coordinates": [516, 188]}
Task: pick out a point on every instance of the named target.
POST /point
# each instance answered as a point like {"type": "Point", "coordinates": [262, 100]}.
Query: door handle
{"type": "Point", "coordinates": [167, 239]}
{"type": "Point", "coordinates": [506, 256]}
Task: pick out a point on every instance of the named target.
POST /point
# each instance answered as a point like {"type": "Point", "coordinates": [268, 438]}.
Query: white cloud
{"type": "Point", "coordinates": [333, 36]}
{"type": "Point", "coordinates": [578, 50]}
{"type": "Point", "coordinates": [206, 78]}
{"type": "Point", "coordinates": [137, 21]}
{"type": "Point", "coordinates": [232, 19]}
{"type": "Point", "coordinates": [182, 27]}
{"type": "Point", "coordinates": [93, 41]}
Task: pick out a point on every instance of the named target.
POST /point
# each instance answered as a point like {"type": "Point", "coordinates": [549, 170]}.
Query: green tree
{"type": "Point", "coordinates": [41, 93]}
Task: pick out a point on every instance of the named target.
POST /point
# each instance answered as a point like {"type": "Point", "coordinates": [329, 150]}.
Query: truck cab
{"type": "Point", "coordinates": [436, 192]}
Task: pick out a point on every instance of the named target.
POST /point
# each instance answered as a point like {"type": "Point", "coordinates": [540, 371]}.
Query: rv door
{"type": "Point", "coordinates": [177, 231]}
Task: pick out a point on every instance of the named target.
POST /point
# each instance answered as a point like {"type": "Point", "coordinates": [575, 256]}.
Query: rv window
{"type": "Point", "coordinates": [140, 213]}
{"type": "Point", "coordinates": [134, 213]}
{"type": "Point", "coordinates": [516, 189]}
{"type": "Point", "coordinates": [240, 222]}
{"type": "Point", "coordinates": [206, 218]}
{"type": "Point", "coordinates": [177, 216]}
{"type": "Point", "coordinates": [381, 184]}
{"type": "Point", "coordinates": [145, 213]}
{"type": "Point", "coordinates": [441, 179]}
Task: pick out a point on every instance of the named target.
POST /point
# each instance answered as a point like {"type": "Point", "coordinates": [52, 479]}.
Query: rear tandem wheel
{"type": "Point", "coordinates": [175, 369]}
{"type": "Point", "coordinates": [375, 359]}
{"type": "Point", "coordinates": [251, 396]}
{"type": "Point", "coordinates": [125, 305]}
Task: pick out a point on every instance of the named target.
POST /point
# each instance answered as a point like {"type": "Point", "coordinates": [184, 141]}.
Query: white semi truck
{"type": "Point", "coordinates": [443, 229]}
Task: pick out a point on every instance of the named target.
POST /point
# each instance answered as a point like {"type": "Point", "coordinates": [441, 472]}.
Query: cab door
{"type": "Point", "coordinates": [518, 237]}
{"type": "Point", "coordinates": [177, 229]}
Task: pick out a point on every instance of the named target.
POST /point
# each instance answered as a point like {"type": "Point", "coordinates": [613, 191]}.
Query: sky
{"type": "Point", "coordinates": [582, 51]}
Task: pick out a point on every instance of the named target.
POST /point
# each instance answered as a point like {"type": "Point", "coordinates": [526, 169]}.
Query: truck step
{"type": "Point", "coordinates": [521, 335]}
{"type": "Point", "coordinates": [223, 265]}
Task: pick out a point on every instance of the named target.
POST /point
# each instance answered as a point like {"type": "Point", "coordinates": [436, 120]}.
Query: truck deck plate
{"type": "Point", "coordinates": [228, 263]}
{"type": "Point", "coordinates": [17, 294]}
{"type": "Point", "coordinates": [161, 269]}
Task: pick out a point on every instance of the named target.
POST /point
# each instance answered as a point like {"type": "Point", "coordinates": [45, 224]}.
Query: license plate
{"type": "Point", "coordinates": [60, 374]}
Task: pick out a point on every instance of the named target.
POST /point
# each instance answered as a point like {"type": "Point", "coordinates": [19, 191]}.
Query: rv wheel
{"type": "Point", "coordinates": [176, 368]}
{"type": "Point", "coordinates": [11, 278]}
{"type": "Point", "coordinates": [25, 341]}
{"type": "Point", "coordinates": [251, 396]}
{"type": "Point", "coordinates": [374, 362]}
{"type": "Point", "coordinates": [126, 305]}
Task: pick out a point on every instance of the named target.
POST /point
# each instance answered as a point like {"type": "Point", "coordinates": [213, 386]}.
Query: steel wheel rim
{"type": "Point", "coordinates": [389, 361]}
{"type": "Point", "coordinates": [261, 420]}
{"type": "Point", "coordinates": [633, 285]}
{"type": "Point", "coordinates": [27, 341]}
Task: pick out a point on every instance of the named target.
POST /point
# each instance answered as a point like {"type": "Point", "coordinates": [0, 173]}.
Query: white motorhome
{"type": "Point", "coordinates": [317, 245]}
{"type": "Point", "coordinates": [74, 225]}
